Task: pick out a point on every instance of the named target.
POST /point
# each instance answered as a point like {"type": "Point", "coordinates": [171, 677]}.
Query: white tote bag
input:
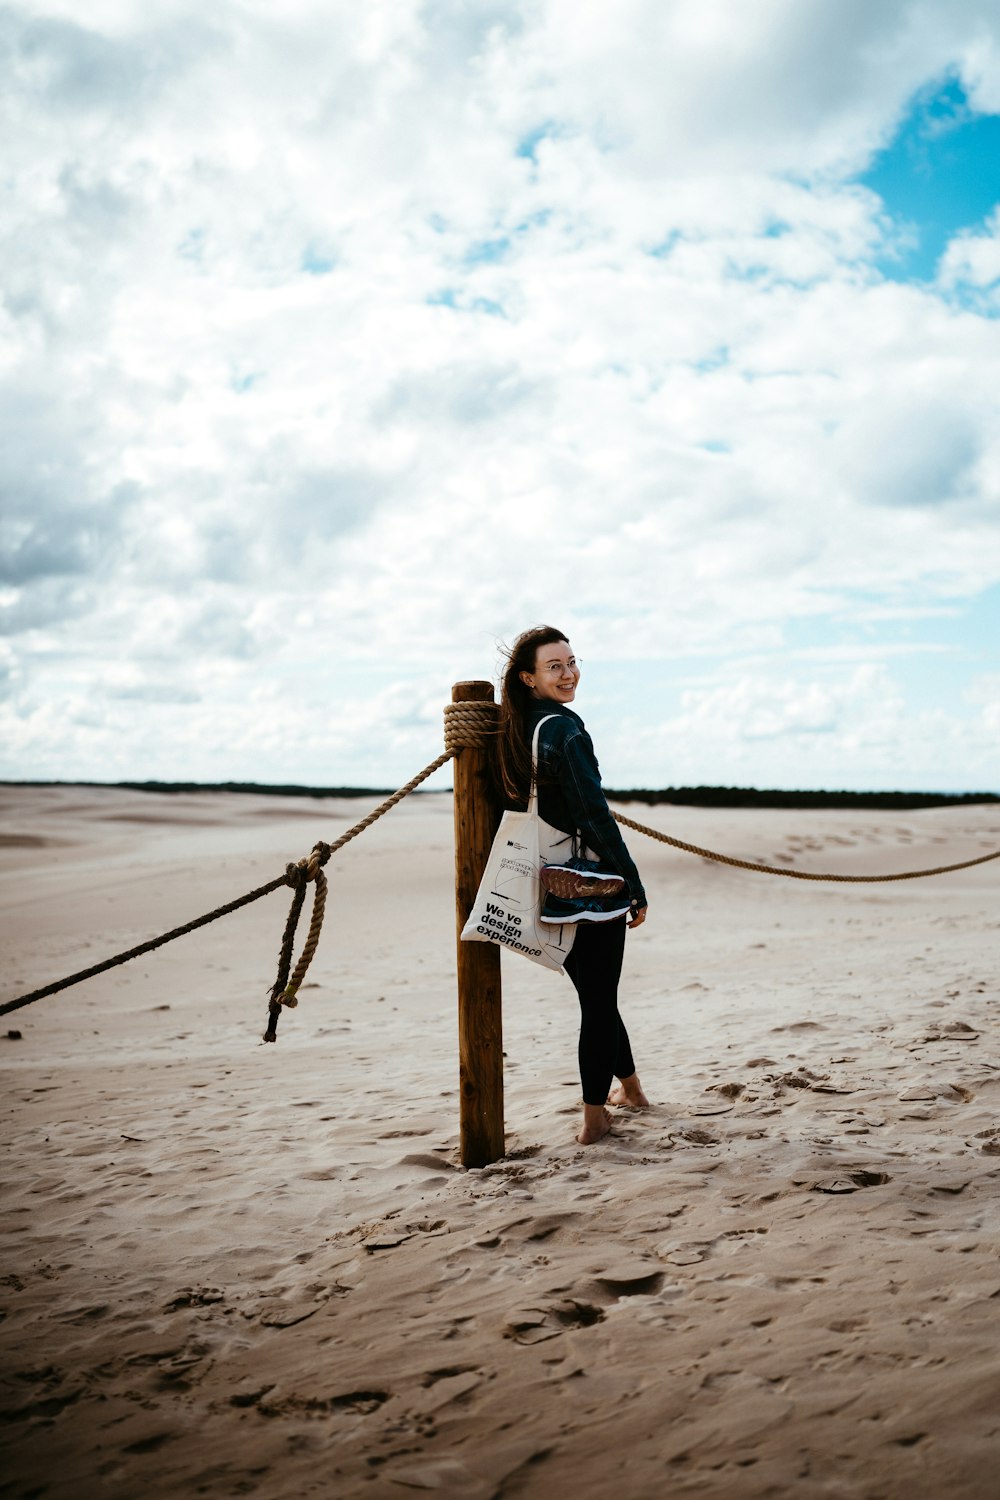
{"type": "Point", "coordinates": [508, 901]}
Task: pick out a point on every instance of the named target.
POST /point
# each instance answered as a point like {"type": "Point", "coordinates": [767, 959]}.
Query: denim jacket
{"type": "Point", "coordinates": [569, 790]}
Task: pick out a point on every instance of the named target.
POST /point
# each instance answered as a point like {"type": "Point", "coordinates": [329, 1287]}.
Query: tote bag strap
{"type": "Point", "coordinates": [533, 794]}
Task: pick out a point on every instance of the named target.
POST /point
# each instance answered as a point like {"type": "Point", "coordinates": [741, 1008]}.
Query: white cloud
{"type": "Point", "coordinates": [344, 341]}
{"type": "Point", "coordinates": [973, 260]}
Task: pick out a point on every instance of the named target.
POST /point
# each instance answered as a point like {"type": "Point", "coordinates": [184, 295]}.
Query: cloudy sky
{"type": "Point", "coordinates": [340, 342]}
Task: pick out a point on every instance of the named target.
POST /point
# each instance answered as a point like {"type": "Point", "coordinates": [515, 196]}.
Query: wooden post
{"type": "Point", "coordinates": [480, 1022]}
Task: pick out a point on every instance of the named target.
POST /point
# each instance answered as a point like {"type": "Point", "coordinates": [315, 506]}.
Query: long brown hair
{"type": "Point", "coordinates": [513, 758]}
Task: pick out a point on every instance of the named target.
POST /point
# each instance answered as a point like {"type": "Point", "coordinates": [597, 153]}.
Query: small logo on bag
{"type": "Point", "coordinates": [513, 844]}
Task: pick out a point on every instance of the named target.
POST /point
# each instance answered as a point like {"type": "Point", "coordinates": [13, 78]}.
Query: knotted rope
{"type": "Point", "coordinates": [747, 864]}
{"type": "Point", "coordinates": [294, 879]}
{"type": "Point", "coordinates": [465, 724]}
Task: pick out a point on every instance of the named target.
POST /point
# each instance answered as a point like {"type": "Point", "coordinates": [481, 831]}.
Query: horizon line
{"type": "Point", "coordinates": [731, 795]}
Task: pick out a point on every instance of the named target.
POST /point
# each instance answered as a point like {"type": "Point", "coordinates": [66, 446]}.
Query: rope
{"type": "Point", "coordinates": [326, 850]}
{"type": "Point", "coordinates": [284, 991]}
{"type": "Point", "coordinates": [471, 725]}
{"type": "Point", "coordinates": [157, 942]}
{"type": "Point", "coordinates": [297, 875]}
{"type": "Point", "coordinates": [746, 864]}
{"type": "Point", "coordinates": [305, 957]}
{"type": "Point", "coordinates": [466, 725]}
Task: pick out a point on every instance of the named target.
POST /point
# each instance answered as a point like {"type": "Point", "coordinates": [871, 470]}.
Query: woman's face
{"type": "Point", "coordinates": [556, 673]}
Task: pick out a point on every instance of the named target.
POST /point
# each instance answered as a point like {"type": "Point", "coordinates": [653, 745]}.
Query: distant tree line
{"type": "Point", "coordinates": [290, 790]}
{"type": "Point", "coordinates": [683, 796]}
{"type": "Point", "coordinates": [743, 796]}
{"type": "Point", "coordinates": [261, 788]}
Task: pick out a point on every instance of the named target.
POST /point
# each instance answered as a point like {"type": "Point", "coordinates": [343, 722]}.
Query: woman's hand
{"type": "Point", "coordinates": [638, 916]}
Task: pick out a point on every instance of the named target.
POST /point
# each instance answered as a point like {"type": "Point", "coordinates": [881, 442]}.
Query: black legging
{"type": "Point", "coordinates": [595, 966]}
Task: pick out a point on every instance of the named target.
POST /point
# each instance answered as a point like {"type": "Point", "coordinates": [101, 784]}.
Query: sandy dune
{"type": "Point", "coordinates": [235, 1269]}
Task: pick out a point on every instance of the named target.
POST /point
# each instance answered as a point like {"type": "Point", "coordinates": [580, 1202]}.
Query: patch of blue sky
{"type": "Point", "coordinates": [241, 383]}
{"type": "Point", "coordinates": [316, 262]}
{"type": "Point", "coordinates": [645, 691]}
{"type": "Point", "coordinates": [664, 247]}
{"type": "Point", "coordinates": [933, 657]}
{"type": "Point", "coordinates": [763, 273]}
{"type": "Point", "coordinates": [527, 146]}
{"type": "Point", "coordinates": [192, 247]}
{"type": "Point", "coordinates": [488, 306]}
{"type": "Point", "coordinates": [939, 175]}
{"type": "Point", "coordinates": [536, 220]}
{"type": "Point", "coordinates": [487, 252]}
{"type": "Point", "coordinates": [715, 359]}
{"type": "Point", "coordinates": [973, 299]}
{"type": "Point", "coordinates": [934, 651]}
{"type": "Point", "coordinates": [971, 631]}
{"type": "Point", "coordinates": [449, 296]}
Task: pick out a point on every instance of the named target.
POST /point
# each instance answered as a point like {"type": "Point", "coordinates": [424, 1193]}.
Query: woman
{"type": "Point", "coordinates": [541, 679]}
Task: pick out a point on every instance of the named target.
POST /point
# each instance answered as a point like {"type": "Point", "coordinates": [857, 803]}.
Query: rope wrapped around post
{"type": "Point", "coordinates": [469, 725]}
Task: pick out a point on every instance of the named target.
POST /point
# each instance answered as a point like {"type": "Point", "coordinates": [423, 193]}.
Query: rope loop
{"type": "Point", "coordinates": [284, 991]}
{"type": "Point", "coordinates": [469, 726]}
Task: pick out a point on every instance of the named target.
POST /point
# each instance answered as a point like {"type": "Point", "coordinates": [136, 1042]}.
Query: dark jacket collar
{"type": "Point", "coordinates": [542, 707]}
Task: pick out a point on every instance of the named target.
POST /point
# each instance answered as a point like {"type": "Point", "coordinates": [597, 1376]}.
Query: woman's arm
{"type": "Point", "coordinates": [580, 783]}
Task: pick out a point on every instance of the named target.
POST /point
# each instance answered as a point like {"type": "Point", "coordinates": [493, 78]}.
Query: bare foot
{"type": "Point", "coordinates": [629, 1094]}
{"type": "Point", "coordinates": [596, 1124]}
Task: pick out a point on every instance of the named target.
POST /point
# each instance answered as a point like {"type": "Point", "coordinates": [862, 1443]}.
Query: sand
{"type": "Point", "coordinates": [231, 1268]}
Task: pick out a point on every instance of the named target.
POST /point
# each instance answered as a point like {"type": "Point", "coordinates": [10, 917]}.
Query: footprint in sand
{"type": "Point", "coordinates": [540, 1227]}
{"type": "Point", "coordinates": [851, 1183]}
{"type": "Point", "coordinates": [385, 1240]}
{"type": "Point", "coordinates": [728, 1090]}
{"type": "Point", "coordinates": [925, 1093]}
{"type": "Point", "coordinates": [630, 1278]}
{"type": "Point", "coordinates": [152, 1443]}
{"type": "Point", "coordinates": [694, 1137]}
{"type": "Point", "coordinates": [535, 1325]}
{"type": "Point", "coordinates": [360, 1403]}
{"type": "Point", "coordinates": [191, 1296]}
{"type": "Point", "coordinates": [573, 1314]}
{"type": "Point", "coordinates": [684, 1255]}
{"type": "Point", "coordinates": [428, 1159]}
{"type": "Point", "coordinates": [954, 1031]}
